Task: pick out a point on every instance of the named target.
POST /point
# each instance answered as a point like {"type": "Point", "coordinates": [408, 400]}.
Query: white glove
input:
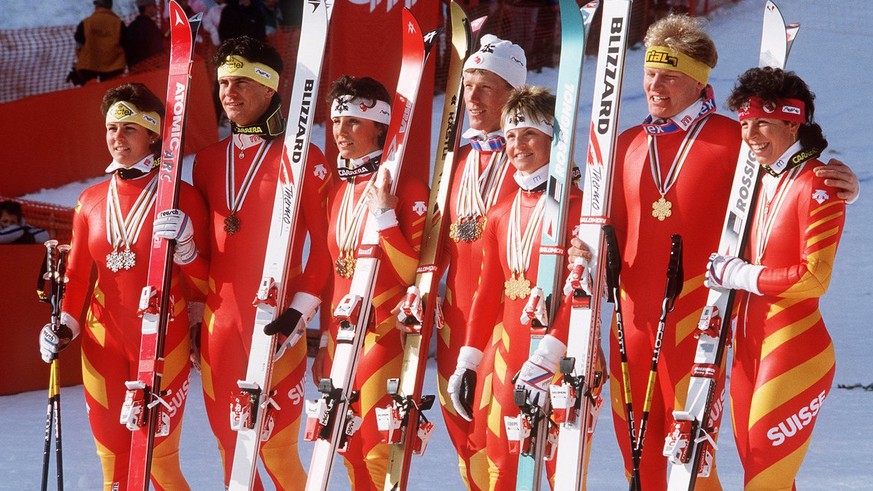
{"type": "Point", "coordinates": [732, 273]}
{"type": "Point", "coordinates": [174, 224]}
{"type": "Point", "coordinates": [292, 323]}
{"type": "Point", "coordinates": [538, 371]}
{"type": "Point", "coordinates": [52, 342]}
{"type": "Point", "coordinates": [462, 383]}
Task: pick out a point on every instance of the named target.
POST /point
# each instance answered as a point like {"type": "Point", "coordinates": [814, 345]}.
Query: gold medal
{"type": "Point", "coordinates": [516, 287]}
{"type": "Point", "coordinates": [468, 229]}
{"type": "Point", "coordinates": [231, 224]}
{"type": "Point", "coordinates": [345, 265]}
{"type": "Point", "coordinates": [661, 209]}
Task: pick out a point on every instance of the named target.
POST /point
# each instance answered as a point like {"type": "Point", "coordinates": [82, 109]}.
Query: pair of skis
{"type": "Point", "coordinates": [403, 424]}
{"type": "Point", "coordinates": [144, 410]}
{"type": "Point", "coordinates": [330, 419]}
{"type": "Point", "coordinates": [252, 407]}
{"type": "Point", "coordinates": [576, 400]}
{"type": "Point", "coordinates": [689, 446]}
{"type": "Point", "coordinates": [52, 287]}
{"type": "Point", "coordinates": [533, 429]}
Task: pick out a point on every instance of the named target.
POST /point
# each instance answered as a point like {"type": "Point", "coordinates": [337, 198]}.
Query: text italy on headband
{"type": "Point", "coordinates": [126, 112]}
{"type": "Point", "coordinates": [378, 111]}
{"type": "Point", "coordinates": [237, 66]}
{"type": "Point", "coordinates": [671, 59]}
{"type": "Point", "coordinates": [520, 119]}
{"type": "Point", "coordinates": [791, 110]}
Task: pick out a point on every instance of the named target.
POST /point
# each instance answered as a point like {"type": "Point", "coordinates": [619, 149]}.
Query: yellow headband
{"type": "Point", "coordinates": [670, 59]}
{"type": "Point", "coordinates": [126, 112]}
{"type": "Point", "coordinates": [237, 66]}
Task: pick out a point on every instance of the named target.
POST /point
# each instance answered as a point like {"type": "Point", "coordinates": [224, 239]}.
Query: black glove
{"type": "Point", "coordinates": [286, 323]}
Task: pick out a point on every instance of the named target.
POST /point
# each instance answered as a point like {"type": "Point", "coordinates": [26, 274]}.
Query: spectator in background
{"type": "Point", "coordinates": [98, 46]}
{"type": "Point", "coordinates": [200, 6]}
{"type": "Point", "coordinates": [242, 18]}
{"type": "Point", "coordinates": [13, 228]}
{"type": "Point", "coordinates": [143, 38]}
{"type": "Point", "coordinates": [272, 15]}
{"type": "Point", "coordinates": [211, 20]}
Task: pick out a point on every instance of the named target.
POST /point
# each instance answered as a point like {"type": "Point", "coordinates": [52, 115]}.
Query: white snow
{"type": "Point", "coordinates": [832, 53]}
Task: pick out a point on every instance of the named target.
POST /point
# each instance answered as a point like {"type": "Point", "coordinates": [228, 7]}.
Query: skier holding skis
{"type": "Point", "coordinates": [360, 112]}
{"type": "Point", "coordinates": [238, 178]}
{"type": "Point", "coordinates": [509, 241]}
{"type": "Point", "coordinates": [490, 75]}
{"type": "Point", "coordinates": [783, 364]}
{"type": "Point", "coordinates": [112, 226]}
{"type": "Point", "coordinates": [672, 176]}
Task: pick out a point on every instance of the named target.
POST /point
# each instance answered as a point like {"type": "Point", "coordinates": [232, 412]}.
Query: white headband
{"type": "Point", "coordinates": [378, 111]}
{"type": "Point", "coordinates": [520, 119]}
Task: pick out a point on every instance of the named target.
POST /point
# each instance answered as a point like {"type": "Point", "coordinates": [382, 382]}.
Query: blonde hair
{"type": "Point", "coordinates": [535, 101]}
{"type": "Point", "coordinates": [685, 34]}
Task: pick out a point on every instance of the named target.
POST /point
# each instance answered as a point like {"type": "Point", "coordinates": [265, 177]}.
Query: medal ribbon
{"type": "Point", "coordinates": [234, 199]}
{"type": "Point", "coordinates": [478, 192]}
{"type": "Point", "coordinates": [351, 215]}
{"type": "Point", "coordinates": [125, 230]}
{"type": "Point", "coordinates": [518, 245]}
{"type": "Point", "coordinates": [768, 207]}
{"type": "Point", "coordinates": [678, 160]}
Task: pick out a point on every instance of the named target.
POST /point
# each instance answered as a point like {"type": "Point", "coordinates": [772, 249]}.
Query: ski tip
{"type": "Point", "coordinates": [476, 25]}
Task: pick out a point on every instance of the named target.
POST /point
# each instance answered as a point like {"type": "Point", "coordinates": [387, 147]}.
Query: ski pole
{"type": "Point", "coordinates": [55, 273]}
{"type": "Point", "coordinates": [675, 278]}
{"type": "Point", "coordinates": [613, 272]}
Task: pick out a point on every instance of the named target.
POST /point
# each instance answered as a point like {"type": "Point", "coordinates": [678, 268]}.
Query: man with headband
{"type": "Point", "coordinates": [482, 176]}
{"type": "Point", "coordinates": [238, 177]}
{"type": "Point", "coordinates": [673, 175]}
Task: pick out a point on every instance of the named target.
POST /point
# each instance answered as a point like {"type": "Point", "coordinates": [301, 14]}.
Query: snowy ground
{"type": "Point", "coordinates": [841, 453]}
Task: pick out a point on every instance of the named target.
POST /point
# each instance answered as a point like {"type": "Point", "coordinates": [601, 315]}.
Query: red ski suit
{"type": "Point", "coordinates": [699, 198]}
{"type": "Point", "coordinates": [461, 258]}
{"type": "Point", "coordinates": [236, 266]}
{"type": "Point", "coordinates": [111, 329]}
{"type": "Point", "coordinates": [366, 458]}
{"type": "Point", "coordinates": [783, 364]}
{"type": "Point", "coordinates": [496, 315]}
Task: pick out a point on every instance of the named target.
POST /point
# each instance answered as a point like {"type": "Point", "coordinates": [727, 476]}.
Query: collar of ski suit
{"type": "Point", "coordinates": [485, 142]}
{"type": "Point", "coordinates": [361, 166]}
{"type": "Point", "coordinates": [701, 108]}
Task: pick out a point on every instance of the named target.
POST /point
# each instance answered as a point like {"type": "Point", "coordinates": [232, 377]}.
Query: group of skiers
{"type": "Point", "coordinates": [683, 156]}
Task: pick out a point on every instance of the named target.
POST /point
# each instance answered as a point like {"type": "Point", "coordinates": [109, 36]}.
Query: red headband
{"type": "Point", "coordinates": [792, 110]}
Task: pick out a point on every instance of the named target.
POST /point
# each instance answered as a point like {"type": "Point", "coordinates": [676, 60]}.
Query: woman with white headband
{"type": "Point", "coordinates": [783, 364]}
{"type": "Point", "coordinates": [509, 271]}
{"type": "Point", "coordinates": [112, 230]}
{"type": "Point", "coordinates": [360, 113]}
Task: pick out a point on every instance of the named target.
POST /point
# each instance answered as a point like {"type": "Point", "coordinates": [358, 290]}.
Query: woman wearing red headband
{"type": "Point", "coordinates": [783, 356]}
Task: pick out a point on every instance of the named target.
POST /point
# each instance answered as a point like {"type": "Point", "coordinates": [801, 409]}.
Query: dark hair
{"type": "Point", "coordinates": [250, 49]}
{"type": "Point", "coordinates": [140, 96]}
{"type": "Point", "coordinates": [365, 88]}
{"type": "Point", "coordinates": [11, 207]}
{"type": "Point", "coordinates": [771, 84]}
